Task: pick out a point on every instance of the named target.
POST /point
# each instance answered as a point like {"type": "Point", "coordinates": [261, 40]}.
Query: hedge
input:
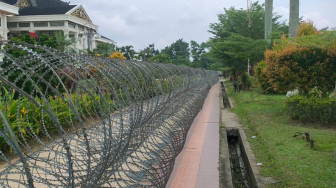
{"type": "Point", "coordinates": [312, 108]}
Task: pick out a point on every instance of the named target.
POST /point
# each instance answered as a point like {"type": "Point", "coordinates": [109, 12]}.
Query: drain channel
{"type": "Point", "coordinates": [239, 167]}
{"type": "Point", "coordinates": [226, 101]}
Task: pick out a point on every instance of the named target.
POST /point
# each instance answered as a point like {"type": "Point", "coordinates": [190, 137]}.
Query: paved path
{"type": "Point", "coordinates": [197, 164]}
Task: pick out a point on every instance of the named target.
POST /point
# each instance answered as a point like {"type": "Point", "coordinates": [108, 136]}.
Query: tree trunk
{"type": "Point", "coordinates": [268, 19]}
{"type": "Point", "coordinates": [294, 17]}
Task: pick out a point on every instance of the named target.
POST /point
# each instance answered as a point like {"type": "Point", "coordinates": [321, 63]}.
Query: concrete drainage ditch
{"type": "Point", "coordinates": [238, 166]}
{"type": "Point", "coordinates": [241, 172]}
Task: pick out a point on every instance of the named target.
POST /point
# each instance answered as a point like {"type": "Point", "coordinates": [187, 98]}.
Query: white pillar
{"type": "Point", "coordinates": [294, 17]}
{"type": "Point", "coordinates": [268, 19]}
{"type": "Point", "coordinates": [66, 33]}
{"type": "Point", "coordinates": [4, 29]}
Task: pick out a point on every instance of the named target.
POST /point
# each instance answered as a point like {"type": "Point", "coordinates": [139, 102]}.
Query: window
{"type": "Point", "coordinates": [24, 24]}
{"type": "Point", "coordinates": [41, 24]}
{"type": "Point", "coordinates": [81, 28]}
{"type": "Point", "coordinates": [11, 24]}
{"type": "Point", "coordinates": [72, 25]}
{"type": "Point", "coordinates": [56, 24]}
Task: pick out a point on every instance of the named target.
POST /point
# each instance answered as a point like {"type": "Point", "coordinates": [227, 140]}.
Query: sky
{"type": "Point", "coordinates": [162, 22]}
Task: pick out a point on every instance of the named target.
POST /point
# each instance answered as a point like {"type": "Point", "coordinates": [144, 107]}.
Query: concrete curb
{"type": "Point", "coordinates": [225, 176]}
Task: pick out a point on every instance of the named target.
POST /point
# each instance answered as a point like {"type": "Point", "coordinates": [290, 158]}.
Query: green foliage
{"type": "Point", "coordinates": [290, 160]}
{"type": "Point", "coordinates": [160, 58]}
{"type": "Point", "coordinates": [26, 38]}
{"type": "Point", "coordinates": [179, 52]}
{"type": "Point", "coordinates": [306, 28]}
{"type": "Point", "coordinates": [236, 50]}
{"type": "Point", "coordinates": [104, 49]}
{"type": "Point", "coordinates": [315, 92]}
{"type": "Point", "coordinates": [323, 39]}
{"type": "Point", "coordinates": [148, 52]}
{"type": "Point", "coordinates": [200, 57]}
{"type": "Point", "coordinates": [312, 108]}
{"type": "Point", "coordinates": [16, 75]}
{"type": "Point", "coordinates": [245, 81]}
{"type": "Point", "coordinates": [27, 119]}
{"type": "Point", "coordinates": [262, 77]}
{"type": "Point", "coordinates": [127, 51]}
{"type": "Point", "coordinates": [292, 65]}
{"type": "Point", "coordinates": [64, 43]}
{"type": "Point", "coordinates": [48, 41]}
{"type": "Point", "coordinates": [237, 40]}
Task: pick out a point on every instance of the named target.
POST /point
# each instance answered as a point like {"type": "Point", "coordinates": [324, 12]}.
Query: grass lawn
{"type": "Point", "coordinates": [289, 160]}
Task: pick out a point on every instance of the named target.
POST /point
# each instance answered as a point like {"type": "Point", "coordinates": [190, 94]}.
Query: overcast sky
{"type": "Point", "coordinates": [162, 22]}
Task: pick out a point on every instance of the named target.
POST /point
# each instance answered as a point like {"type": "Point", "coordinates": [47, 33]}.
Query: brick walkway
{"type": "Point", "coordinates": [197, 164]}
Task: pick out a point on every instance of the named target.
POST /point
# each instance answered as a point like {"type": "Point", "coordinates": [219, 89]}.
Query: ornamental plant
{"type": "Point", "coordinates": [291, 65]}
{"type": "Point", "coordinates": [117, 55]}
{"type": "Point", "coordinates": [28, 120]}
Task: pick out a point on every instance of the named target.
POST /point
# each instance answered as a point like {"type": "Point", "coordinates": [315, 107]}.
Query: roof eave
{"type": "Point", "coordinates": [9, 9]}
{"type": "Point", "coordinates": [54, 17]}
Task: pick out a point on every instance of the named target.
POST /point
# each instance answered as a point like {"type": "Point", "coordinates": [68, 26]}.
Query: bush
{"type": "Point", "coordinates": [312, 108]}
{"type": "Point", "coordinates": [27, 120]}
{"type": "Point", "coordinates": [262, 77]}
{"type": "Point", "coordinates": [245, 81]}
{"type": "Point", "coordinates": [117, 55]}
{"type": "Point", "coordinates": [291, 65]}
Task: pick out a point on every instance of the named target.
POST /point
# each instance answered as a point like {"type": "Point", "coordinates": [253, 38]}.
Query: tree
{"type": "Point", "coordinates": [127, 51]}
{"type": "Point", "coordinates": [160, 58]}
{"type": "Point", "coordinates": [237, 41]}
{"type": "Point", "coordinates": [199, 55]}
{"type": "Point", "coordinates": [63, 42]}
{"type": "Point", "coordinates": [236, 50]}
{"type": "Point", "coordinates": [179, 52]}
{"type": "Point", "coordinates": [104, 49]}
{"type": "Point", "coordinates": [148, 52]}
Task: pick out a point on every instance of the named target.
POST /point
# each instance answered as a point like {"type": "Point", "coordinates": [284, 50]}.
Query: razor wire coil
{"type": "Point", "coordinates": [70, 120]}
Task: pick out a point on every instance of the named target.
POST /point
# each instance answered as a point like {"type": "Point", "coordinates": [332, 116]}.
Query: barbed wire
{"type": "Point", "coordinates": [78, 121]}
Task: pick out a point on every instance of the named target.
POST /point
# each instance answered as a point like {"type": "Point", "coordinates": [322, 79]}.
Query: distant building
{"type": "Point", "coordinates": [50, 16]}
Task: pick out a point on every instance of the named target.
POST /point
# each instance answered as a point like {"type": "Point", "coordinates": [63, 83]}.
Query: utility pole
{"type": "Point", "coordinates": [268, 19]}
{"type": "Point", "coordinates": [293, 17]}
{"type": "Point", "coordinates": [249, 8]}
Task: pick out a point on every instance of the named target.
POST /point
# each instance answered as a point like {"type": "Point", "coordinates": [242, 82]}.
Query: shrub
{"type": "Point", "coordinates": [291, 65]}
{"type": "Point", "coordinates": [27, 119]}
{"type": "Point", "coordinates": [245, 81]}
{"type": "Point", "coordinates": [117, 55]}
{"type": "Point", "coordinates": [306, 28]}
{"type": "Point", "coordinates": [312, 108]}
{"type": "Point", "coordinates": [262, 77]}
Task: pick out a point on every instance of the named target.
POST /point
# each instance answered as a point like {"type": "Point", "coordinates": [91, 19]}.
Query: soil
{"type": "Point", "coordinates": [318, 125]}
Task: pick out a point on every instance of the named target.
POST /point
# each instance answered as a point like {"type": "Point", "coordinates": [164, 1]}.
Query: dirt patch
{"type": "Point", "coordinates": [317, 125]}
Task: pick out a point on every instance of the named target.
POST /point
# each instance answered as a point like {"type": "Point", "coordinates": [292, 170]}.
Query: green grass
{"type": "Point", "coordinates": [289, 160]}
